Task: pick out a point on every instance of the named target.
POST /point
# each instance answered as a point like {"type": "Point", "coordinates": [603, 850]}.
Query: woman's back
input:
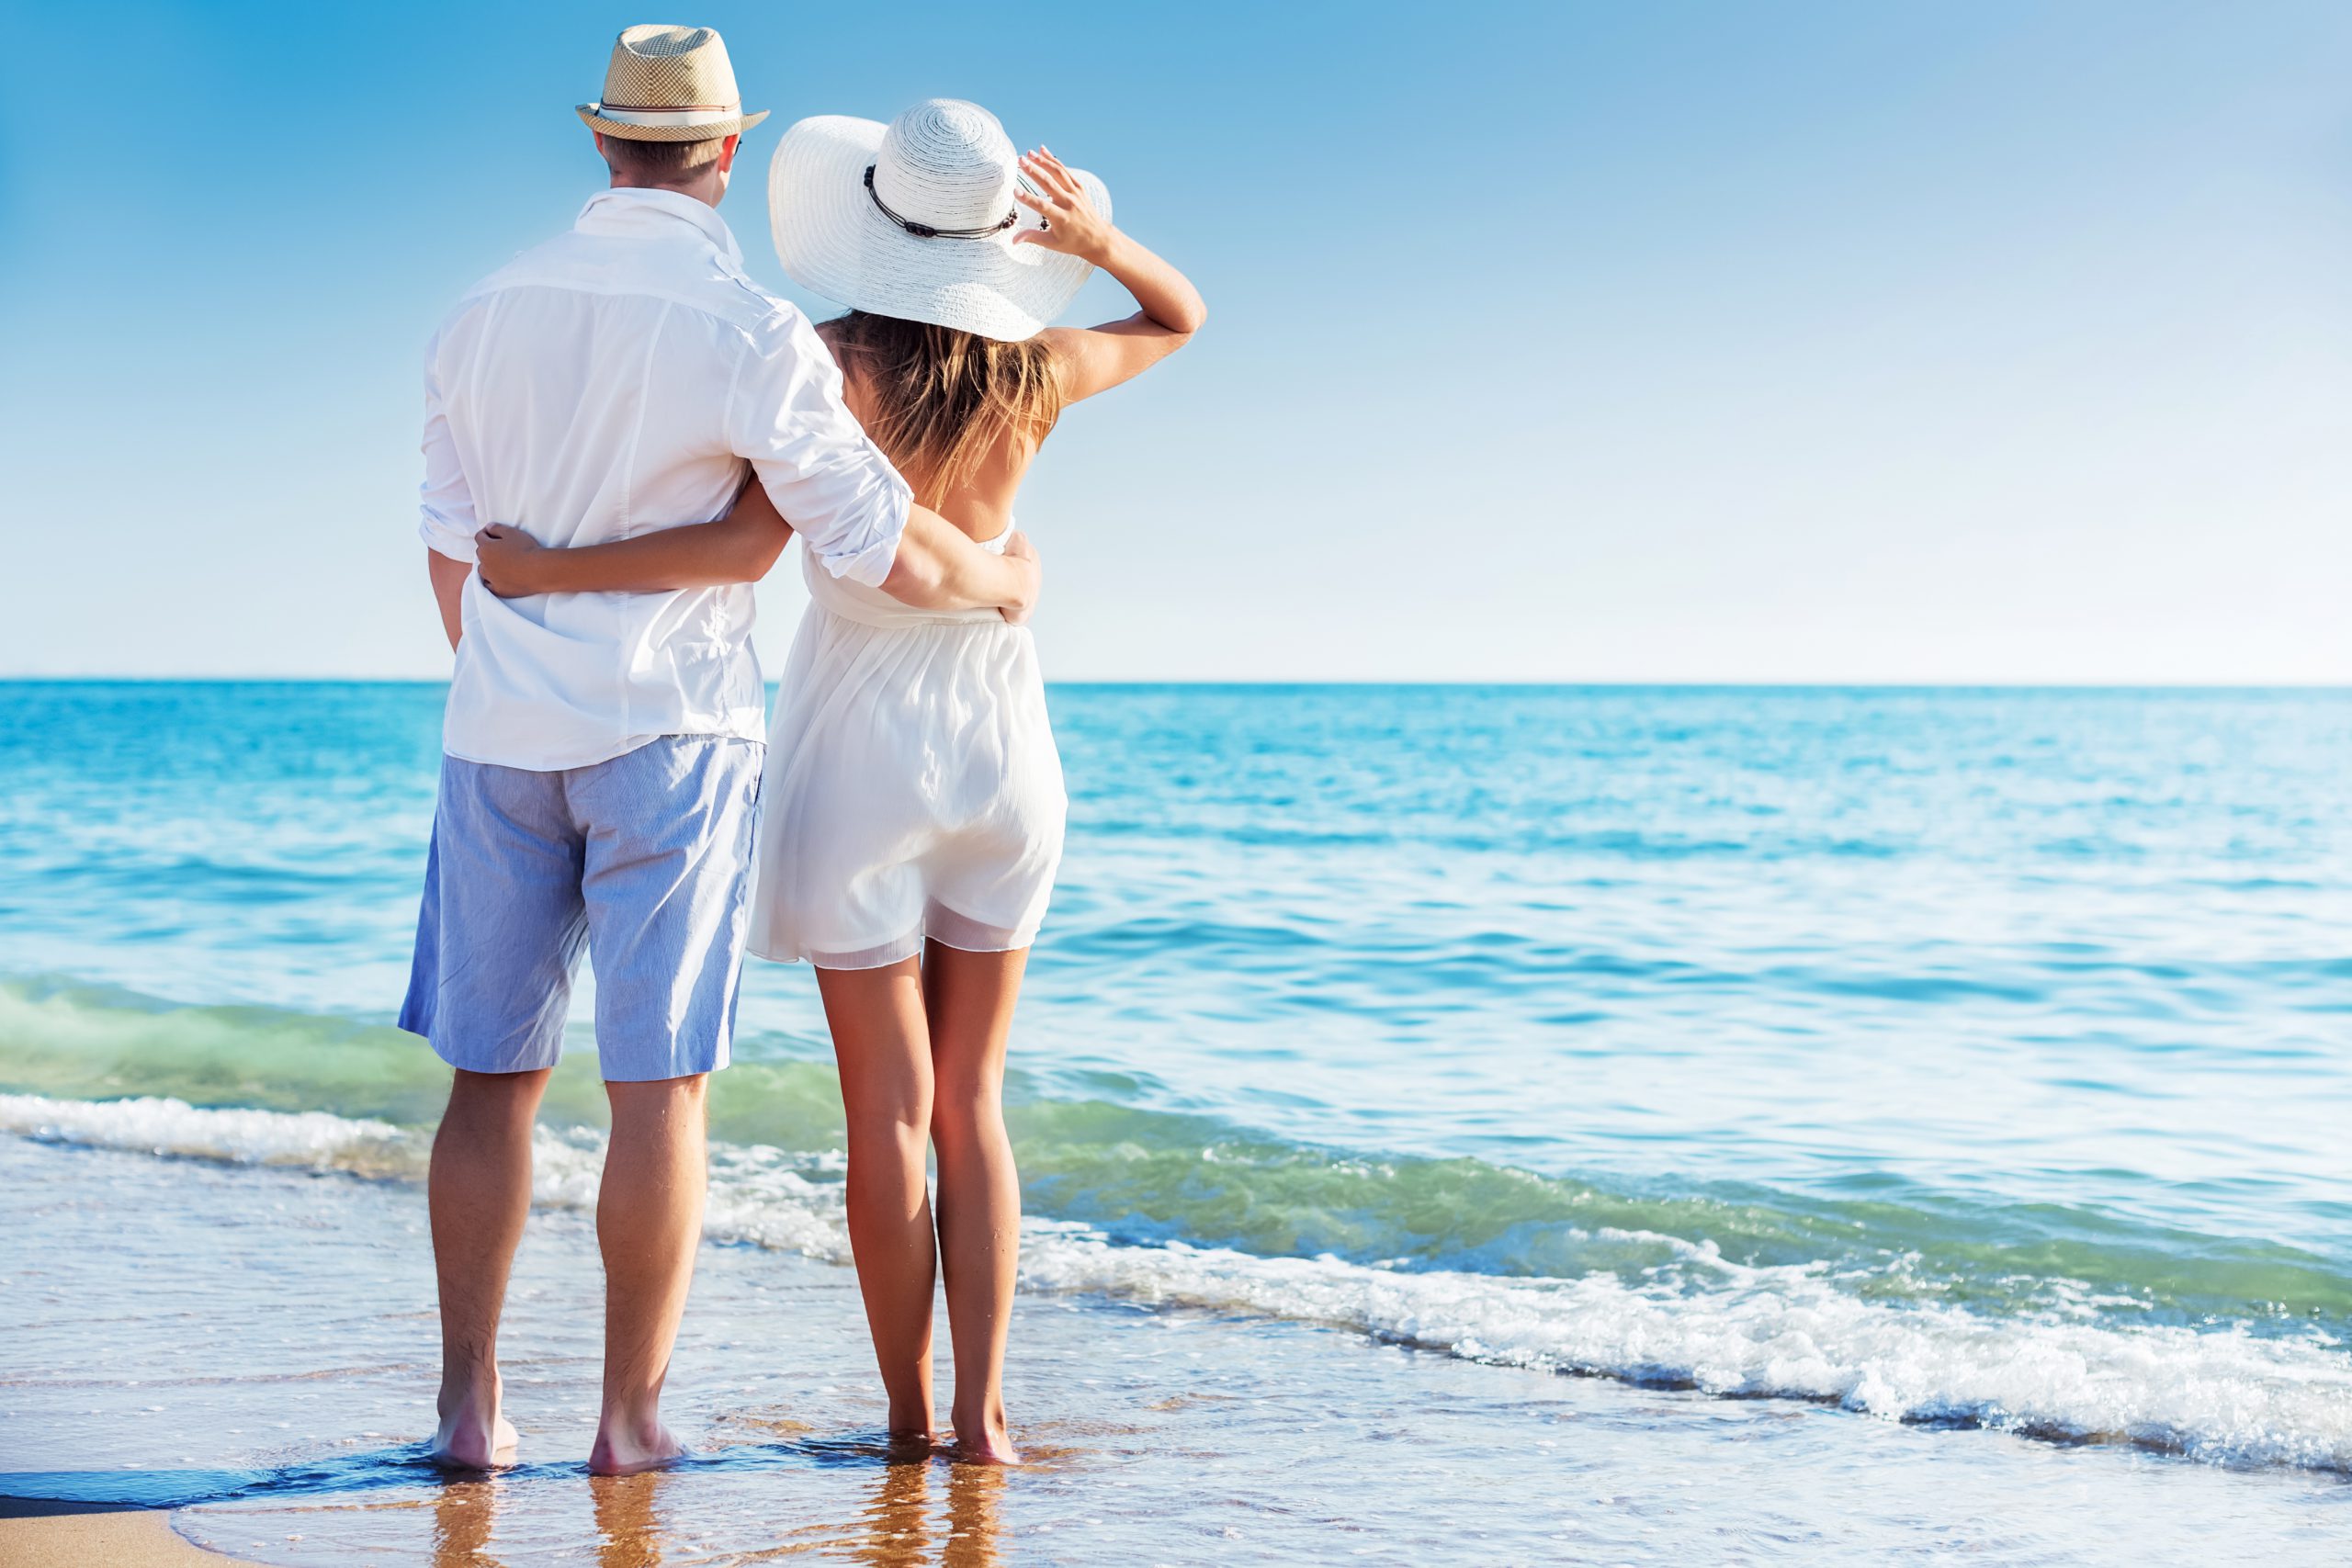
{"type": "Point", "coordinates": [962, 435]}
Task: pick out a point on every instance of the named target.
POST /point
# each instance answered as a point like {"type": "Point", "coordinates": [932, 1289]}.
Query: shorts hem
{"type": "Point", "coordinates": [722, 1059]}
{"type": "Point", "coordinates": [506, 1062]}
{"type": "Point", "coordinates": [940, 924]}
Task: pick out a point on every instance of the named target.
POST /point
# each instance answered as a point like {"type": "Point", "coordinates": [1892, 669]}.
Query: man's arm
{"type": "Point", "coordinates": [445, 505]}
{"type": "Point", "coordinates": [853, 510]}
{"type": "Point", "coordinates": [938, 567]}
{"type": "Point", "coordinates": [812, 464]}
{"type": "Point", "coordinates": [448, 591]}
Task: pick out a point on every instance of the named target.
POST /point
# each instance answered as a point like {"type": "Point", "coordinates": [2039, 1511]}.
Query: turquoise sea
{"type": "Point", "coordinates": [1950, 1087]}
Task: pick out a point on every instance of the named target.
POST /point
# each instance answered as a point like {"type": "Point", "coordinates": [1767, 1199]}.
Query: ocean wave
{"type": "Point", "coordinates": [1788, 1332]}
{"type": "Point", "coordinates": [1694, 1319]}
{"type": "Point", "coordinates": [312, 1139]}
{"type": "Point", "coordinates": [1137, 1174]}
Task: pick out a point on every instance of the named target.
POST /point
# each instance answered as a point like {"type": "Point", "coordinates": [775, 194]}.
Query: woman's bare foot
{"type": "Point", "coordinates": [984, 1440]}
{"type": "Point", "coordinates": [473, 1435]}
{"type": "Point", "coordinates": [910, 1426]}
{"type": "Point", "coordinates": [630, 1446]}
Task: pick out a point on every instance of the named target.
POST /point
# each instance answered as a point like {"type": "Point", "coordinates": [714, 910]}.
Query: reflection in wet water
{"type": "Point", "coordinates": [462, 1514]}
{"type": "Point", "coordinates": [628, 1530]}
{"type": "Point", "coordinates": [895, 1532]}
{"type": "Point", "coordinates": [916, 1509]}
{"type": "Point", "coordinates": [902, 1529]}
{"type": "Point", "coordinates": [974, 1491]}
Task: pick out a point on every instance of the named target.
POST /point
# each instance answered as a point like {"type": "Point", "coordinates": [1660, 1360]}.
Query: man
{"type": "Point", "coordinates": [602, 750]}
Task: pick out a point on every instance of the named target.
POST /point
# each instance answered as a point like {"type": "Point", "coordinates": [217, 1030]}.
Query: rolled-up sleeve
{"type": "Point", "coordinates": [832, 483]}
{"type": "Point", "coordinates": [445, 503]}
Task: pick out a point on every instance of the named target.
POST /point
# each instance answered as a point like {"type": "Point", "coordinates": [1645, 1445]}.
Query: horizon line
{"type": "Point", "coordinates": [1292, 683]}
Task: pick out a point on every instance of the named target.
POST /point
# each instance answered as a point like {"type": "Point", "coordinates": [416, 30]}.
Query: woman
{"type": "Point", "coordinates": [913, 806]}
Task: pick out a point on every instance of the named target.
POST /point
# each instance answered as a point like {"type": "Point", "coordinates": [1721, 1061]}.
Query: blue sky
{"type": "Point", "coordinates": [2001, 342]}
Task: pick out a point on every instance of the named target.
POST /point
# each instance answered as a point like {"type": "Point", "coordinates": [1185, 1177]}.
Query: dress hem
{"type": "Point", "coordinates": [974, 937]}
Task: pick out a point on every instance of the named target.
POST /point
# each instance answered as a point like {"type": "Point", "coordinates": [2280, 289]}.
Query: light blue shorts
{"type": "Point", "coordinates": [644, 860]}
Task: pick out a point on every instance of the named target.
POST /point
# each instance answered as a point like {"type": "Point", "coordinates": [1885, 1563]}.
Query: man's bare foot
{"type": "Point", "coordinates": [627, 1447]}
{"type": "Point", "coordinates": [984, 1441]}
{"type": "Point", "coordinates": [473, 1436]}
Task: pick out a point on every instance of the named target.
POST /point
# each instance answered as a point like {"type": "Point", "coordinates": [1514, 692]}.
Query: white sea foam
{"type": "Point", "coordinates": [311, 1138]}
{"type": "Point", "coordinates": [1794, 1331]}
{"type": "Point", "coordinates": [1790, 1332]}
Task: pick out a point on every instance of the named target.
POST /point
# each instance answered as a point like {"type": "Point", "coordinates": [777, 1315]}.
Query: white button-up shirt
{"type": "Point", "coordinates": [609, 383]}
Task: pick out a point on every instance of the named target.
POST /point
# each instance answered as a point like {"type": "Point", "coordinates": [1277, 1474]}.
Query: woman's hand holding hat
{"type": "Point", "coordinates": [1073, 227]}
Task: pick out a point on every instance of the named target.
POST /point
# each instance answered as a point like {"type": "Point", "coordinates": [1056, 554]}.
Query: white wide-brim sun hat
{"type": "Point", "coordinates": [916, 219]}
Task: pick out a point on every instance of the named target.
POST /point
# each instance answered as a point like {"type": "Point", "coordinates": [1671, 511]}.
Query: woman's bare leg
{"type": "Point", "coordinates": [970, 997]}
{"type": "Point", "coordinates": [883, 1048]}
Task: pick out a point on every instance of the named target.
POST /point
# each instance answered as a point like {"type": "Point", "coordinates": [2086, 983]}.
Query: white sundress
{"type": "Point", "coordinates": [911, 789]}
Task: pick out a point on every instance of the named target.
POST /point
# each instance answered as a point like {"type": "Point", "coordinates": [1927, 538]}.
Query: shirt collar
{"type": "Point", "coordinates": [637, 211]}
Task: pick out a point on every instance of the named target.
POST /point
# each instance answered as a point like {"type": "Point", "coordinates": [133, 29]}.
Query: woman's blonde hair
{"type": "Point", "coordinates": [941, 399]}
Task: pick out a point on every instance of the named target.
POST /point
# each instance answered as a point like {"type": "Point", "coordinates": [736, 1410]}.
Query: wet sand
{"type": "Point", "coordinates": [256, 1348]}
{"type": "Point", "coordinates": [35, 1533]}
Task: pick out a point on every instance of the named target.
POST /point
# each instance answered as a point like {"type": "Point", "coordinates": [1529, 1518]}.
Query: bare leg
{"type": "Point", "coordinates": [648, 1220]}
{"type": "Point", "coordinates": [970, 997]}
{"type": "Point", "coordinates": [883, 1047]}
{"type": "Point", "coordinates": [479, 1194]}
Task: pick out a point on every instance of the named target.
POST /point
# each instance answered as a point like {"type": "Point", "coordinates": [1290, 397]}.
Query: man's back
{"type": "Point", "coordinates": [608, 383]}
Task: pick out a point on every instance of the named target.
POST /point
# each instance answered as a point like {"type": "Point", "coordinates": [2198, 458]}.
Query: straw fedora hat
{"type": "Point", "coordinates": [669, 83]}
{"type": "Point", "coordinates": [916, 219]}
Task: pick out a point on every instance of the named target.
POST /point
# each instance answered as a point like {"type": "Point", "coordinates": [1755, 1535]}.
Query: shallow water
{"type": "Point", "coordinates": [296, 1344]}
{"type": "Point", "coordinates": [1968, 1058]}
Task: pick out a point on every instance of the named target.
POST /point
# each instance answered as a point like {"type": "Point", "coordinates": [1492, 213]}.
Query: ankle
{"type": "Point", "coordinates": [986, 1418]}
{"type": "Point", "coordinates": [909, 1419]}
{"type": "Point", "coordinates": [479, 1394]}
{"type": "Point", "coordinates": [637, 1416]}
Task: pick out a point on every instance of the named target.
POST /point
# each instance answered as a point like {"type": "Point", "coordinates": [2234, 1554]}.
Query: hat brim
{"type": "Point", "coordinates": [593, 115]}
{"type": "Point", "coordinates": [830, 238]}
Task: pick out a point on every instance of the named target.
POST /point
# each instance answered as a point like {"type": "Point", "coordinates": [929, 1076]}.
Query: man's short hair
{"type": "Point", "coordinates": [660, 163]}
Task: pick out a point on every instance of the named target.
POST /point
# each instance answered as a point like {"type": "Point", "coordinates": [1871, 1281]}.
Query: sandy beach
{"type": "Point", "coordinates": [40, 1534]}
